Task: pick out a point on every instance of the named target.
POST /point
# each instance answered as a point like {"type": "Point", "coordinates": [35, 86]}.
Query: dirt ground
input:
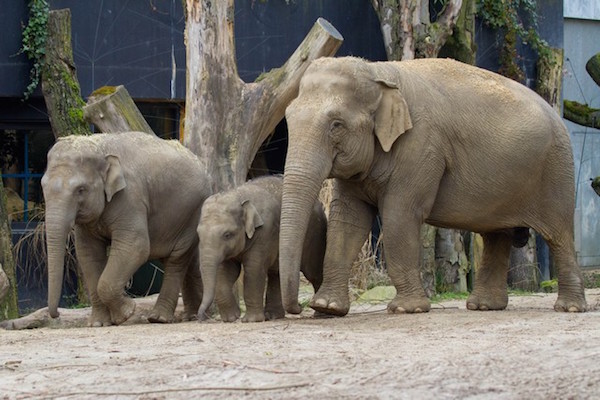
{"type": "Point", "coordinates": [527, 351]}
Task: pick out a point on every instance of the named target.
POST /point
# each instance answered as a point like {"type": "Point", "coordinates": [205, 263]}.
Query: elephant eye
{"type": "Point", "coordinates": [81, 190]}
{"type": "Point", "coordinates": [336, 123]}
{"type": "Point", "coordinates": [227, 235]}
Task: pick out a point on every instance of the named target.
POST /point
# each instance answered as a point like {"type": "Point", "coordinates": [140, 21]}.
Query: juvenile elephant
{"type": "Point", "coordinates": [131, 197]}
{"type": "Point", "coordinates": [433, 141]}
{"type": "Point", "coordinates": [241, 227]}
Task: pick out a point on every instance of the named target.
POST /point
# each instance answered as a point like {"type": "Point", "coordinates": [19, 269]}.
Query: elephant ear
{"type": "Point", "coordinates": [252, 218]}
{"type": "Point", "coordinates": [392, 118]}
{"type": "Point", "coordinates": [114, 181]}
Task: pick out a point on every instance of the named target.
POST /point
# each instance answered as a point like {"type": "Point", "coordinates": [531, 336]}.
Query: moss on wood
{"type": "Point", "coordinates": [582, 114]}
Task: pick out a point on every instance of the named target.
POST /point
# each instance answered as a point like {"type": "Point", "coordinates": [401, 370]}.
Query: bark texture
{"type": "Point", "coordinates": [111, 109]}
{"type": "Point", "coordinates": [407, 28]}
{"type": "Point", "coordinates": [593, 68]}
{"type": "Point", "coordinates": [61, 89]}
{"type": "Point", "coordinates": [582, 114]}
{"type": "Point", "coordinates": [59, 79]}
{"type": "Point", "coordinates": [227, 119]}
{"type": "Point", "coordinates": [8, 276]}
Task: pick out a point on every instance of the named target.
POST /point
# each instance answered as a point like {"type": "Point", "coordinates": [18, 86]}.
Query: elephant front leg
{"type": "Point", "coordinates": [350, 221]}
{"type": "Point", "coordinates": [91, 254]}
{"type": "Point", "coordinates": [129, 250]}
{"type": "Point", "coordinates": [227, 301]}
{"type": "Point", "coordinates": [255, 276]}
{"type": "Point", "coordinates": [401, 243]}
{"type": "Point", "coordinates": [490, 286]}
{"type": "Point", "coordinates": [273, 304]}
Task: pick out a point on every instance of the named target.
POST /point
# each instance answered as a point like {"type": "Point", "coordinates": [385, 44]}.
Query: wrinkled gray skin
{"type": "Point", "coordinates": [131, 197]}
{"type": "Point", "coordinates": [241, 227]}
{"type": "Point", "coordinates": [433, 141]}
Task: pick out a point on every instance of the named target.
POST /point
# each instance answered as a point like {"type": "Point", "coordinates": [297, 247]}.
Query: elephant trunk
{"type": "Point", "coordinates": [208, 268]}
{"type": "Point", "coordinates": [301, 185]}
{"type": "Point", "coordinates": [59, 221]}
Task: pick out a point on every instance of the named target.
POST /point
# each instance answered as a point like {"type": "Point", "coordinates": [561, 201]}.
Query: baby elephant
{"type": "Point", "coordinates": [241, 227]}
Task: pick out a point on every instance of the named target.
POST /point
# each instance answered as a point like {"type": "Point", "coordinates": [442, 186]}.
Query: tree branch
{"type": "Point", "coordinates": [280, 86]}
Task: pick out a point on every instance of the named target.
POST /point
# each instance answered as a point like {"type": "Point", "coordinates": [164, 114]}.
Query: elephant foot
{"type": "Point", "coordinates": [230, 316]}
{"type": "Point", "coordinates": [253, 317]}
{"type": "Point", "coordinates": [487, 302]}
{"type": "Point", "coordinates": [570, 304]}
{"type": "Point", "coordinates": [328, 303]}
{"type": "Point", "coordinates": [123, 312]}
{"type": "Point", "coordinates": [100, 317]}
{"type": "Point", "coordinates": [160, 317]}
{"type": "Point", "coordinates": [188, 316]}
{"type": "Point", "coordinates": [272, 314]}
{"type": "Point", "coordinates": [409, 305]}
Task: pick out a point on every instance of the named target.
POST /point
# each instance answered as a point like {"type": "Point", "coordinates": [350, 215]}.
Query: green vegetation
{"type": "Point", "coordinates": [34, 41]}
{"type": "Point", "coordinates": [515, 19]}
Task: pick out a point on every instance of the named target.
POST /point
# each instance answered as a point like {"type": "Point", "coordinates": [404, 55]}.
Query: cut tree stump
{"type": "Point", "coordinates": [111, 109]}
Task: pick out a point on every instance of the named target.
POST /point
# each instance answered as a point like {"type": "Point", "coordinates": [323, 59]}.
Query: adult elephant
{"type": "Point", "coordinates": [131, 197]}
{"type": "Point", "coordinates": [433, 141]}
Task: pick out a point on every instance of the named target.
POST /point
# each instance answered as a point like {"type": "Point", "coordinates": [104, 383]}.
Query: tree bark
{"type": "Point", "coordinates": [428, 262]}
{"type": "Point", "coordinates": [582, 114]}
{"type": "Point", "coordinates": [226, 119]}
{"type": "Point", "coordinates": [59, 79]}
{"type": "Point", "coordinates": [111, 109]}
{"type": "Point", "coordinates": [549, 77]}
{"type": "Point", "coordinates": [407, 29]}
{"type": "Point", "coordinates": [593, 68]}
{"type": "Point", "coordinates": [61, 89]}
{"type": "Point", "coordinates": [8, 275]}
{"type": "Point", "coordinates": [523, 273]}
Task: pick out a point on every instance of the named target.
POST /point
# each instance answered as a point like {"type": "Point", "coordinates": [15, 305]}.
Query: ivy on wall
{"type": "Point", "coordinates": [515, 19]}
{"type": "Point", "coordinates": [34, 41]}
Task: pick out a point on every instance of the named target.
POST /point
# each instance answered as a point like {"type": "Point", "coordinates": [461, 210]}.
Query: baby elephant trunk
{"type": "Point", "coordinates": [208, 267]}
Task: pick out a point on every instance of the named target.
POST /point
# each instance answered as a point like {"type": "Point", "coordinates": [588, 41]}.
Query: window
{"type": "Point", "coordinates": [23, 162]}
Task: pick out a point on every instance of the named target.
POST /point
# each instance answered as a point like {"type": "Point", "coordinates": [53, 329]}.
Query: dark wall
{"type": "Point", "coordinates": [140, 43]}
{"type": "Point", "coordinates": [550, 28]}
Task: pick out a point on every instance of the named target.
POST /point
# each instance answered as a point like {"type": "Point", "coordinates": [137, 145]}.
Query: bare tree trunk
{"type": "Point", "coordinates": [226, 119]}
{"type": "Point", "coordinates": [111, 109]}
{"type": "Point", "coordinates": [61, 89]}
{"type": "Point", "coordinates": [59, 79]}
{"type": "Point", "coordinates": [8, 275]}
{"type": "Point", "coordinates": [407, 28]}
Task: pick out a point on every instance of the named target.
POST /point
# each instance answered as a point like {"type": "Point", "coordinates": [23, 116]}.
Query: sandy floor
{"type": "Point", "coordinates": [527, 351]}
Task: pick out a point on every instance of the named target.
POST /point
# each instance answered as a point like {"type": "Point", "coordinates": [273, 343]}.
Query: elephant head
{"type": "Point", "coordinates": [78, 182]}
{"type": "Point", "coordinates": [344, 110]}
{"type": "Point", "coordinates": [226, 225]}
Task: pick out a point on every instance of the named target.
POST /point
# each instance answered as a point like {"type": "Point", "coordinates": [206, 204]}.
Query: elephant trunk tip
{"type": "Point", "coordinates": [202, 314]}
{"type": "Point", "coordinates": [53, 312]}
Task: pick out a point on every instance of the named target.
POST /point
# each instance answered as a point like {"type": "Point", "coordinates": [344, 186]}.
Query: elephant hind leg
{"type": "Point", "coordinates": [273, 304]}
{"type": "Point", "coordinates": [571, 294]}
{"type": "Point", "coordinates": [490, 286]}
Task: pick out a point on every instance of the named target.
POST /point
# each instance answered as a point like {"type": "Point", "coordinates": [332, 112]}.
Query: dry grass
{"type": "Point", "coordinates": [31, 257]}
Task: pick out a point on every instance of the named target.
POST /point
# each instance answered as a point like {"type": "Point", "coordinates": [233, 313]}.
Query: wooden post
{"type": "Point", "coordinates": [111, 109]}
